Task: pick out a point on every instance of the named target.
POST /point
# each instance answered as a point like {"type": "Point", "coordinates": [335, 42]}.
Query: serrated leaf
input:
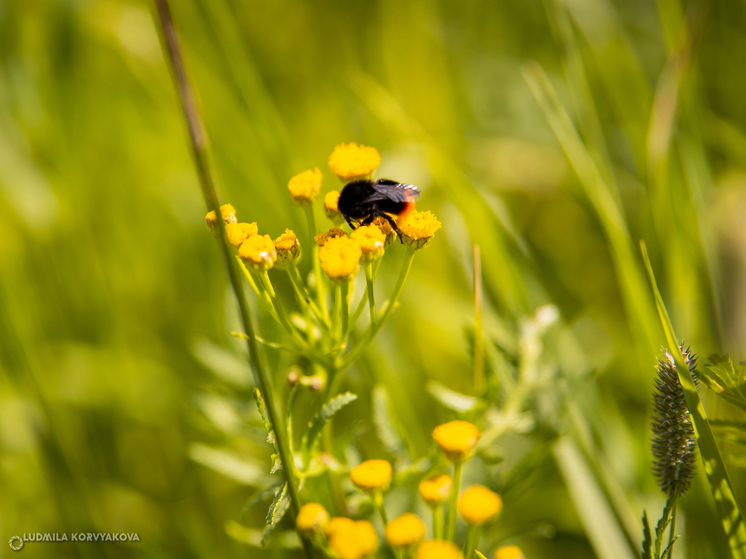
{"type": "Point", "coordinates": [316, 425]}
{"type": "Point", "coordinates": [260, 496]}
{"type": "Point", "coordinates": [669, 548]}
{"type": "Point", "coordinates": [276, 464]}
{"type": "Point", "coordinates": [647, 537]}
{"type": "Point", "coordinates": [259, 399]}
{"type": "Point", "coordinates": [660, 528]}
{"type": "Point", "coordinates": [276, 511]}
{"type": "Point", "coordinates": [450, 398]}
{"type": "Point", "coordinates": [382, 419]}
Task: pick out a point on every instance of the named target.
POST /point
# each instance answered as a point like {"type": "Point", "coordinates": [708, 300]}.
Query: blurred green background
{"type": "Point", "coordinates": [114, 305]}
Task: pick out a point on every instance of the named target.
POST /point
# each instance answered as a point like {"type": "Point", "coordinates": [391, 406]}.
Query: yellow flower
{"type": "Point", "coordinates": [353, 541]}
{"type": "Point", "coordinates": [438, 549]}
{"type": "Point", "coordinates": [258, 252]}
{"type": "Point", "coordinates": [372, 475]}
{"type": "Point", "coordinates": [478, 504]}
{"type": "Point", "coordinates": [417, 228]}
{"type": "Point", "coordinates": [333, 233]}
{"type": "Point", "coordinates": [305, 186]}
{"type": "Point", "coordinates": [405, 530]}
{"type": "Point", "coordinates": [456, 439]}
{"type": "Point", "coordinates": [336, 524]}
{"type": "Point", "coordinates": [371, 241]}
{"type": "Point", "coordinates": [239, 232]}
{"type": "Point", "coordinates": [311, 519]}
{"type": "Point", "coordinates": [385, 227]}
{"type": "Point", "coordinates": [435, 491]}
{"type": "Point", "coordinates": [330, 206]}
{"type": "Point", "coordinates": [340, 258]}
{"type": "Point", "coordinates": [353, 162]}
{"type": "Point", "coordinates": [287, 247]}
{"type": "Point", "coordinates": [509, 552]}
{"type": "Point", "coordinates": [229, 216]}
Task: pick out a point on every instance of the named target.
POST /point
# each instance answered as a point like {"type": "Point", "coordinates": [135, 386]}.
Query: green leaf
{"type": "Point", "coordinates": [276, 511]}
{"type": "Point", "coordinates": [451, 399]}
{"type": "Point", "coordinates": [259, 399]}
{"type": "Point", "coordinates": [253, 537]}
{"type": "Point", "coordinates": [316, 425]}
{"type": "Point", "coordinates": [663, 523]}
{"type": "Point", "coordinates": [669, 548]}
{"type": "Point", "coordinates": [647, 537]}
{"type": "Point", "coordinates": [479, 554]}
{"type": "Point", "coordinates": [382, 419]}
{"type": "Point", "coordinates": [229, 464]}
{"type": "Point", "coordinates": [720, 484]}
{"type": "Point", "coordinates": [260, 496]}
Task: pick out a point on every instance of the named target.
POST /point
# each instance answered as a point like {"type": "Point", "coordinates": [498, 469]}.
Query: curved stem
{"type": "Point", "coordinates": [672, 533]}
{"type": "Point", "coordinates": [368, 269]}
{"type": "Point", "coordinates": [280, 313]}
{"type": "Point", "coordinates": [304, 296]}
{"type": "Point", "coordinates": [380, 506]}
{"type": "Point", "coordinates": [472, 541]}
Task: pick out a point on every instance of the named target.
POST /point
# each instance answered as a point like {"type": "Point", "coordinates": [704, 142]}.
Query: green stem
{"type": "Point", "coordinates": [478, 336]}
{"type": "Point", "coordinates": [320, 287]}
{"type": "Point", "coordinates": [472, 541]}
{"type": "Point", "coordinates": [344, 310]}
{"type": "Point", "coordinates": [368, 269]}
{"type": "Point", "coordinates": [380, 506]}
{"type": "Point", "coordinates": [304, 297]}
{"type": "Point", "coordinates": [438, 523]}
{"type": "Point", "coordinates": [672, 533]}
{"type": "Point", "coordinates": [450, 525]}
{"type": "Point", "coordinates": [198, 142]}
{"type": "Point", "coordinates": [281, 315]}
{"type": "Point", "coordinates": [389, 306]}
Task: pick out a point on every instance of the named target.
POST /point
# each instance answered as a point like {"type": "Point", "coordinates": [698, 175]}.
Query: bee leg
{"type": "Point", "coordinates": [350, 223]}
{"type": "Point", "coordinates": [368, 220]}
{"type": "Point", "coordinates": [391, 221]}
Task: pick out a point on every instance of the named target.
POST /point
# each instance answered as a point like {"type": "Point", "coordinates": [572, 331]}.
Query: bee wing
{"type": "Point", "coordinates": [386, 189]}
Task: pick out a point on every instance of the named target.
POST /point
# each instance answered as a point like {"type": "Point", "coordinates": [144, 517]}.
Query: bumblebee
{"type": "Point", "coordinates": [360, 202]}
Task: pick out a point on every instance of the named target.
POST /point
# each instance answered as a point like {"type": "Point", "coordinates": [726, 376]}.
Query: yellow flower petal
{"type": "Point", "coordinates": [239, 232]}
{"type": "Point", "coordinates": [330, 206]}
{"type": "Point", "coordinates": [509, 552]}
{"type": "Point", "coordinates": [372, 475]}
{"type": "Point", "coordinates": [312, 518]}
{"type": "Point", "coordinates": [288, 247]}
{"type": "Point", "coordinates": [438, 549]}
{"type": "Point", "coordinates": [417, 228]}
{"type": "Point", "coordinates": [456, 439]}
{"type": "Point", "coordinates": [340, 259]}
{"type": "Point", "coordinates": [229, 216]}
{"type": "Point", "coordinates": [405, 530]}
{"type": "Point", "coordinates": [305, 186]}
{"type": "Point", "coordinates": [435, 490]}
{"type": "Point", "coordinates": [337, 523]}
{"type": "Point", "coordinates": [352, 162]}
{"type": "Point", "coordinates": [333, 233]}
{"type": "Point", "coordinates": [478, 504]}
{"type": "Point", "coordinates": [354, 541]}
{"type": "Point", "coordinates": [258, 252]}
{"type": "Point", "coordinates": [371, 241]}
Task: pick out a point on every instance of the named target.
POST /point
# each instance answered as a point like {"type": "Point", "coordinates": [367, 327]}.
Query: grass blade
{"type": "Point", "coordinates": [720, 484]}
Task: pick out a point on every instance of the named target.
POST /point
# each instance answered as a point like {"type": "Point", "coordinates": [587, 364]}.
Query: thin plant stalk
{"type": "Point", "coordinates": [198, 142]}
{"type": "Point", "coordinates": [472, 541]}
{"type": "Point", "coordinates": [478, 328]}
{"type": "Point", "coordinates": [368, 269]}
{"type": "Point", "coordinates": [438, 522]}
{"type": "Point", "coordinates": [672, 533]}
{"type": "Point", "coordinates": [450, 525]}
{"type": "Point", "coordinates": [320, 287]}
{"type": "Point", "coordinates": [380, 506]}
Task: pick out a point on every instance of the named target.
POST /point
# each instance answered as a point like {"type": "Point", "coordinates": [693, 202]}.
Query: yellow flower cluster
{"type": "Point", "coordinates": [417, 228]}
{"type": "Point", "coordinates": [340, 258]}
{"type": "Point", "coordinates": [305, 186]}
{"type": "Point", "coordinates": [478, 505]}
{"type": "Point", "coordinates": [350, 539]}
{"type": "Point", "coordinates": [456, 439]}
{"type": "Point", "coordinates": [352, 162]}
{"type": "Point", "coordinates": [509, 552]}
{"type": "Point", "coordinates": [371, 240]}
{"type": "Point", "coordinates": [405, 531]}
{"type": "Point", "coordinates": [438, 549]}
{"type": "Point", "coordinates": [435, 490]}
{"type": "Point", "coordinates": [287, 247]}
{"type": "Point", "coordinates": [372, 475]}
{"type": "Point", "coordinates": [258, 252]}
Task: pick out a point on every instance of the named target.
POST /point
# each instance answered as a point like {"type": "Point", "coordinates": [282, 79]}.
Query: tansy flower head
{"type": "Point", "coordinates": [333, 233]}
{"type": "Point", "coordinates": [509, 552]}
{"type": "Point", "coordinates": [354, 162]}
{"type": "Point", "coordinates": [229, 216]}
{"type": "Point", "coordinates": [417, 228]}
{"type": "Point", "coordinates": [337, 523]}
{"type": "Point", "coordinates": [330, 206]}
{"type": "Point", "coordinates": [438, 549]}
{"type": "Point", "coordinates": [456, 439]}
{"type": "Point", "coordinates": [385, 227]}
{"type": "Point", "coordinates": [371, 241]}
{"type": "Point", "coordinates": [478, 504]}
{"type": "Point", "coordinates": [405, 531]}
{"type": "Point", "coordinates": [239, 232]}
{"type": "Point", "coordinates": [258, 252]}
{"type": "Point", "coordinates": [305, 186]}
{"type": "Point", "coordinates": [311, 519]}
{"type": "Point", "coordinates": [287, 247]}
{"type": "Point", "coordinates": [372, 475]}
{"type": "Point", "coordinates": [340, 259]}
{"type": "Point", "coordinates": [354, 541]}
{"type": "Point", "coordinates": [435, 490]}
